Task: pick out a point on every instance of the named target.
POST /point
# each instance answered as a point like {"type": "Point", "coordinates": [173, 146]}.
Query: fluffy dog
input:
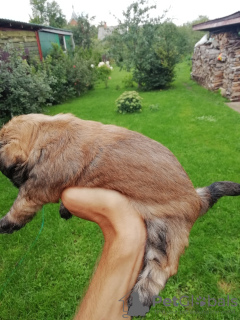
{"type": "Point", "coordinates": [42, 155]}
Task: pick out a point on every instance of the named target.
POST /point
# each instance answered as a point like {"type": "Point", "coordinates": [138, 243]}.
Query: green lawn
{"type": "Point", "coordinates": [204, 134]}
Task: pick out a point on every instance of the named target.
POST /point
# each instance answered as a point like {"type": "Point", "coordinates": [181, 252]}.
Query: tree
{"type": "Point", "coordinates": [38, 11]}
{"type": "Point", "coordinates": [48, 13]}
{"type": "Point", "coordinates": [187, 38]}
{"type": "Point", "coordinates": [54, 15]}
{"type": "Point", "coordinates": [169, 39]}
{"type": "Point", "coordinates": [84, 32]}
{"type": "Point", "coordinates": [200, 19]}
{"type": "Point", "coordinates": [137, 45]}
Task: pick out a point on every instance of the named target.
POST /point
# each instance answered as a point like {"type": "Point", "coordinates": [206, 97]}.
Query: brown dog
{"type": "Point", "coordinates": [43, 155]}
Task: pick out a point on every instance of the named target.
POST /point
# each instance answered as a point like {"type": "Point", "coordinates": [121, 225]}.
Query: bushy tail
{"type": "Point", "coordinates": [215, 191]}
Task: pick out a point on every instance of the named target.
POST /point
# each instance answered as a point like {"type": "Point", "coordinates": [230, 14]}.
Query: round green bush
{"type": "Point", "coordinates": [129, 102]}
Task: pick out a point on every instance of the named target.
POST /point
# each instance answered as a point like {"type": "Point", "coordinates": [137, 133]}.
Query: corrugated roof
{"type": "Point", "coordinates": [233, 19]}
{"type": "Point", "coordinates": [6, 23]}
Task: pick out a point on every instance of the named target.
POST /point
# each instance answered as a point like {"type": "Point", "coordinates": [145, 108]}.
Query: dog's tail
{"type": "Point", "coordinates": [210, 195]}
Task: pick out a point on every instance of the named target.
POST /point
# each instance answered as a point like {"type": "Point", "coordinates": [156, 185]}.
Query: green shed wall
{"type": "Point", "coordinates": [46, 40]}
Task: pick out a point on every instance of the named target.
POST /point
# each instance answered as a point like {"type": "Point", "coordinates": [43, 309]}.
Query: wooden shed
{"type": "Point", "coordinates": [36, 39]}
{"type": "Point", "coordinates": [216, 61]}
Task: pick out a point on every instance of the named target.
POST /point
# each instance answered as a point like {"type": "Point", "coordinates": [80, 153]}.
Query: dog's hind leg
{"type": "Point", "coordinates": [165, 244]}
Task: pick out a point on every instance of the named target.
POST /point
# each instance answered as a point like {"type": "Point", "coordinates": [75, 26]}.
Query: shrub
{"type": "Point", "coordinates": [23, 88]}
{"type": "Point", "coordinates": [81, 75]}
{"type": "Point", "coordinates": [103, 72]}
{"type": "Point", "coordinates": [128, 81]}
{"type": "Point", "coordinates": [129, 102]}
{"type": "Point", "coordinates": [92, 54]}
{"type": "Point", "coordinates": [56, 66]}
{"type": "Point", "coordinates": [155, 73]}
{"type": "Point", "coordinates": [28, 86]}
{"type": "Point", "coordinates": [71, 75]}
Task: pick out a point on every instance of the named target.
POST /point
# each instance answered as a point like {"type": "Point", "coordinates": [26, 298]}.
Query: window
{"type": "Point", "coordinates": [62, 42]}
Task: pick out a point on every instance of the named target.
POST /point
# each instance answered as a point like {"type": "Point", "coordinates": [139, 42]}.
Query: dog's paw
{"type": "Point", "coordinates": [8, 227]}
{"type": "Point", "coordinates": [64, 213]}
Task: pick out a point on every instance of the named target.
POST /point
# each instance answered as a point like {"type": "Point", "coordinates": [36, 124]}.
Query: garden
{"type": "Point", "coordinates": [45, 268]}
{"type": "Point", "coordinates": [47, 280]}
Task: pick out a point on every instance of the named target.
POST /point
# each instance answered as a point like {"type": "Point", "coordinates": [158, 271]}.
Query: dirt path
{"type": "Point", "coordinates": [234, 105]}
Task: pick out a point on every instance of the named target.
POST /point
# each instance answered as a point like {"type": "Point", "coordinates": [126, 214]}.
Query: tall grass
{"type": "Point", "coordinates": [203, 133]}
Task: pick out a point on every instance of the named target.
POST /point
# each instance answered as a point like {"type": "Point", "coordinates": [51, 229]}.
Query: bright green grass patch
{"type": "Point", "coordinates": [203, 133]}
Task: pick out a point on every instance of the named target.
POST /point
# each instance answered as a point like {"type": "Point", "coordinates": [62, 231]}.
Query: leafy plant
{"type": "Point", "coordinates": [128, 81]}
{"type": "Point", "coordinates": [156, 73]}
{"type": "Point", "coordinates": [84, 32]}
{"type": "Point", "coordinates": [71, 74]}
{"type": "Point", "coordinates": [136, 43]}
{"type": "Point", "coordinates": [48, 13]}
{"type": "Point", "coordinates": [103, 72]}
{"type": "Point", "coordinates": [28, 86]}
{"type": "Point", "coordinates": [56, 66]}
{"type": "Point", "coordinates": [81, 75]}
{"type": "Point", "coordinates": [23, 89]}
{"type": "Point", "coordinates": [129, 102]}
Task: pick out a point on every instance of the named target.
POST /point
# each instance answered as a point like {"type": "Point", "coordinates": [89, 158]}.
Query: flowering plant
{"type": "Point", "coordinates": [129, 102]}
{"type": "Point", "coordinates": [81, 75]}
{"type": "Point", "coordinates": [104, 72]}
{"type": "Point", "coordinates": [107, 64]}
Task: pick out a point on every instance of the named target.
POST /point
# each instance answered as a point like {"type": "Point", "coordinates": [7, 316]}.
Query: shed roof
{"type": "Point", "coordinates": [6, 23]}
{"type": "Point", "coordinates": [232, 20]}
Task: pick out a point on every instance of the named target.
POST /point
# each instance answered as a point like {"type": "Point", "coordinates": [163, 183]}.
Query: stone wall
{"type": "Point", "coordinates": [216, 64]}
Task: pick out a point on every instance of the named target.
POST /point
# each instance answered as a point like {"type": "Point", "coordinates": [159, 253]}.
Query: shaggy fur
{"type": "Point", "coordinates": [43, 155]}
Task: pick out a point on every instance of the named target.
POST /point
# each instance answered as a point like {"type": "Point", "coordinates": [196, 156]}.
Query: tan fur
{"type": "Point", "coordinates": [63, 151]}
{"type": "Point", "coordinates": [205, 197]}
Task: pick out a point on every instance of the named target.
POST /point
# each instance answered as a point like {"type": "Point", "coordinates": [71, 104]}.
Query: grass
{"type": "Point", "coordinates": [204, 134]}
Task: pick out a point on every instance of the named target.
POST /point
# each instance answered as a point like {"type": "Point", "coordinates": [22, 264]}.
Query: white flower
{"type": "Point", "coordinates": [101, 64]}
{"type": "Point", "coordinates": [111, 68]}
{"type": "Point", "coordinates": [107, 63]}
{"type": "Point", "coordinates": [92, 65]}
